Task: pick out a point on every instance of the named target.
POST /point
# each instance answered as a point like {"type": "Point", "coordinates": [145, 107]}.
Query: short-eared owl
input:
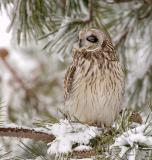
{"type": "Point", "coordinates": [94, 83]}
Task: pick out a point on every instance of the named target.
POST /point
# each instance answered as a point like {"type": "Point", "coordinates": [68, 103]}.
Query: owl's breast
{"type": "Point", "coordinates": [96, 94]}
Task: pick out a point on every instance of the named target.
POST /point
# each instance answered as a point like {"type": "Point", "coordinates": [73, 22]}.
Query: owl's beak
{"type": "Point", "coordinates": [80, 43]}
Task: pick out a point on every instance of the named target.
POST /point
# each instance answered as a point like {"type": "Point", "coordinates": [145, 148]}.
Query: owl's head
{"type": "Point", "coordinates": [90, 39]}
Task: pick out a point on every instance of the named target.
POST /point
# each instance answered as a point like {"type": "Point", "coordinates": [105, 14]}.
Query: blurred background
{"type": "Point", "coordinates": [36, 38]}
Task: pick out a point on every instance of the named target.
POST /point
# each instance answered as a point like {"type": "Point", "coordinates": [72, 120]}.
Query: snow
{"type": "Point", "coordinates": [83, 159]}
{"type": "Point", "coordinates": [132, 154]}
{"type": "Point", "coordinates": [67, 134]}
{"type": "Point", "coordinates": [83, 148]}
{"type": "Point", "coordinates": [130, 140]}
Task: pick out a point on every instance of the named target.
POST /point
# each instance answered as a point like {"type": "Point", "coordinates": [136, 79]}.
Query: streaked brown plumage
{"type": "Point", "coordinates": [94, 83]}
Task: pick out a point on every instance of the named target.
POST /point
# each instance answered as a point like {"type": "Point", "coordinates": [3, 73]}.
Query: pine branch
{"type": "Point", "coordinates": [26, 132]}
{"type": "Point", "coordinates": [38, 134]}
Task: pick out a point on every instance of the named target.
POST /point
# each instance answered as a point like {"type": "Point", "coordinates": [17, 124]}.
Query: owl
{"type": "Point", "coordinates": [94, 82]}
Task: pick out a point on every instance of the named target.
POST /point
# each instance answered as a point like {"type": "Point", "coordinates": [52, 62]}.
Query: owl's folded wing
{"type": "Point", "coordinates": [68, 80]}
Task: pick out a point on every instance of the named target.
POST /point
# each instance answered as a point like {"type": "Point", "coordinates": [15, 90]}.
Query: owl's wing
{"type": "Point", "coordinates": [68, 80]}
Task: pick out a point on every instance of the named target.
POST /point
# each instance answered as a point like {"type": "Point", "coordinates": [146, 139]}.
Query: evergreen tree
{"type": "Point", "coordinates": [51, 27]}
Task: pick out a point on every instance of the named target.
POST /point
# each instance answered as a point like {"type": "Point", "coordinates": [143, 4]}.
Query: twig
{"type": "Point", "coordinates": [84, 154]}
{"type": "Point", "coordinates": [89, 19]}
{"type": "Point", "coordinates": [149, 2]}
{"type": "Point", "coordinates": [29, 93]}
{"type": "Point", "coordinates": [146, 14]}
{"type": "Point", "coordinates": [122, 37]}
{"type": "Point", "coordinates": [13, 72]}
{"type": "Point", "coordinates": [122, 1]}
{"type": "Point", "coordinates": [118, 1]}
{"type": "Point", "coordinates": [3, 56]}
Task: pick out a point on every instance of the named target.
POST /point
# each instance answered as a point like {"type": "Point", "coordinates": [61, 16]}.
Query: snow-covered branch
{"type": "Point", "coordinates": [62, 138]}
{"type": "Point", "coordinates": [39, 134]}
{"type": "Point", "coordinates": [69, 134]}
{"type": "Point", "coordinates": [134, 140]}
